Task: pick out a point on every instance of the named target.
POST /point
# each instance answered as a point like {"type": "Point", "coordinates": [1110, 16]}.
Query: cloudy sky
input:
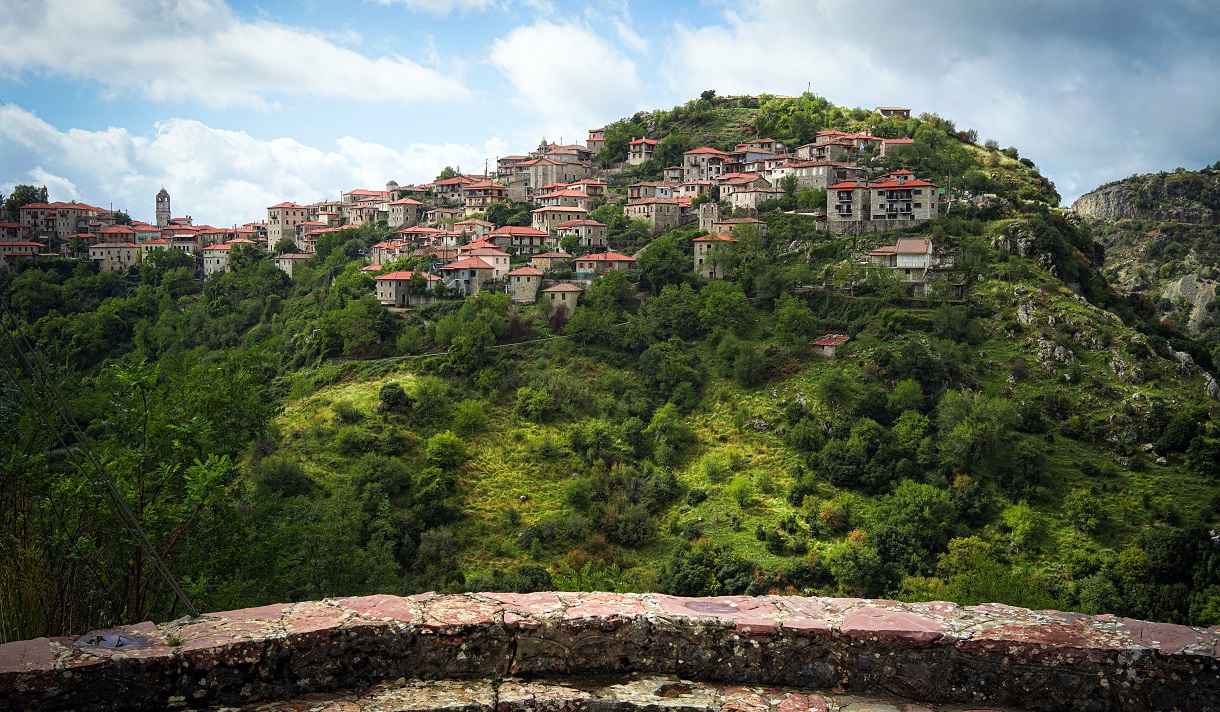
{"type": "Point", "coordinates": [233, 107]}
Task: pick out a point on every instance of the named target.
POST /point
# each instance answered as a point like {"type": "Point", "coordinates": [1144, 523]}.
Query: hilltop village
{"type": "Point", "coordinates": [442, 232]}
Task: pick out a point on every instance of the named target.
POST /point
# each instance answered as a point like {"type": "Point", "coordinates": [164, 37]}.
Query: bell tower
{"type": "Point", "coordinates": [163, 212]}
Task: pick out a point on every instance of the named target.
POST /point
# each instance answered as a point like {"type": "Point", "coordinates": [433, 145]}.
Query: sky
{"type": "Point", "coordinates": [236, 106]}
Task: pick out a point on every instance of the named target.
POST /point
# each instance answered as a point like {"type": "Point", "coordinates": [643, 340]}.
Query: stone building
{"type": "Point", "coordinates": [705, 246]}
{"type": "Point", "coordinates": [163, 211]}
{"type": "Point", "coordinates": [523, 284]}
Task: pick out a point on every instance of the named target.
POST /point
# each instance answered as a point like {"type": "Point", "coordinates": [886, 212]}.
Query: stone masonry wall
{"type": "Point", "coordinates": [938, 653]}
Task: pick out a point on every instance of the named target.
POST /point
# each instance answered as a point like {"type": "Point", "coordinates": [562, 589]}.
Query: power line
{"type": "Point", "coordinates": [118, 503]}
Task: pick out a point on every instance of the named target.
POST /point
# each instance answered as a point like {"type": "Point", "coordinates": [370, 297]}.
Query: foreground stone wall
{"type": "Point", "coordinates": [989, 655]}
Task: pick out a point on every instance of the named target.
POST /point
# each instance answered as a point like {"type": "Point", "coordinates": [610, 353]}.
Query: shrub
{"type": "Point", "coordinates": [469, 417]}
{"type": "Point", "coordinates": [391, 475]}
{"type": "Point", "coordinates": [393, 398]}
{"type": "Point", "coordinates": [346, 412]}
{"type": "Point", "coordinates": [740, 491]}
{"type": "Point", "coordinates": [353, 440]}
{"type": "Point", "coordinates": [446, 450]}
{"type": "Point", "coordinates": [283, 476]}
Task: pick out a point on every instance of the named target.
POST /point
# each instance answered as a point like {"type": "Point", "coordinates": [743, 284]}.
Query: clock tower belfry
{"type": "Point", "coordinates": [163, 212]}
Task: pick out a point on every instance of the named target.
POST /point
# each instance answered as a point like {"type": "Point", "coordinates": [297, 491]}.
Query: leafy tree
{"type": "Point", "coordinates": [795, 324]}
{"type": "Point", "coordinates": [447, 173]}
{"type": "Point", "coordinates": [664, 262]}
{"type": "Point", "coordinates": [393, 398]}
{"type": "Point", "coordinates": [724, 306]}
{"type": "Point", "coordinates": [285, 244]}
{"type": "Point", "coordinates": [23, 195]}
{"type": "Point", "coordinates": [789, 184]}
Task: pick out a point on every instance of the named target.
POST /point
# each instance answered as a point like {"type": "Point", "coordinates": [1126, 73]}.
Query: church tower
{"type": "Point", "coordinates": [163, 213]}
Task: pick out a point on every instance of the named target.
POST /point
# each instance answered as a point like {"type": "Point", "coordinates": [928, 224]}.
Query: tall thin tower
{"type": "Point", "coordinates": [163, 212]}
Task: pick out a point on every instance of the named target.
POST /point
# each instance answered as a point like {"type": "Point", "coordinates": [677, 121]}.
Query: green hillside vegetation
{"type": "Point", "coordinates": [290, 439]}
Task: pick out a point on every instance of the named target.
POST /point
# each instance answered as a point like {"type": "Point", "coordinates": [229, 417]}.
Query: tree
{"type": "Point", "coordinates": [446, 450]}
{"type": "Point", "coordinates": [789, 184]}
{"type": "Point", "coordinates": [570, 244]}
{"type": "Point", "coordinates": [795, 323]}
{"type": "Point", "coordinates": [23, 195]}
{"type": "Point", "coordinates": [447, 173]}
{"type": "Point", "coordinates": [664, 263]}
{"type": "Point", "coordinates": [285, 244]}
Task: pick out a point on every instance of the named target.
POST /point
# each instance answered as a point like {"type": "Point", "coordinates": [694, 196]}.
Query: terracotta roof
{"type": "Point", "coordinates": [831, 340]}
{"type": "Point", "coordinates": [883, 251]}
{"type": "Point", "coordinates": [406, 201]}
{"type": "Point", "coordinates": [294, 256]}
{"type": "Point", "coordinates": [579, 223]}
{"type": "Point", "coordinates": [512, 230]}
{"type": "Point", "coordinates": [714, 238]}
{"type": "Point", "coordinates": [607, 257]}
{"type": "Point", "coordinates": [526, 271]}
{"type": "Point", "coordinates": [706, 149]}
{"type": "Point", "coordinates": [286, 205]}
{"type": "Point", "coordinates": [20, 244]}
{"type": "Point", "coordinates": [113, 244]}
{"type": "Point", "coordinates": [553, 208]}
{"type": "Point", "coordinates": [913, 246]}
{"type": "Point", "coordinates": [406, 275]}
{"type": "Point", "coordinates": [468, 263]}
{"type": "Point", "coordinates": [492, 251]}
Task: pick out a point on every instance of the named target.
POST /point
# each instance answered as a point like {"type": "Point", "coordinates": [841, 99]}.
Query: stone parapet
{"type": "Point", "coordinates": [935, 653]}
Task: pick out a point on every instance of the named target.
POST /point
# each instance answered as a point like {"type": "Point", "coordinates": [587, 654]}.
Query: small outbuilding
{"type": "Point", "coordinates": [826, 345]}
{"type": "Point", "coordinates": [523, 284]}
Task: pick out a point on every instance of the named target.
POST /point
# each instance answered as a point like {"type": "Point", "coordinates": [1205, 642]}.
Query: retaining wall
{"type": "Point", "coordinates": [989, 655]}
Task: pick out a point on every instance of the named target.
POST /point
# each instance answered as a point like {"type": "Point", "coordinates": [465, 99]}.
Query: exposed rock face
{"type": "Point", "coordinates": [1213, 388]}
{"type": "Point", "coordinates": [669, 647]}
{"type": "Point", "coordinates": [1121, 201]}
{"type": "Point", "coordinates": [1196, 290]}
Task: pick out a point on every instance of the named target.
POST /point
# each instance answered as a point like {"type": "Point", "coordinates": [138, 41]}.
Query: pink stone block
{"type": "Point", "coordinates": [805, 626]}
{"type": "Point", "coordinates": [734, 607]}
{"type": "Point", "coordinates": [536, 603]}
{"type": "Point", "coordinates": [757, 626]}
{"type": "Point", "coordinates": [27, 665]}
{"type": "Point", "coordinates": [1049, 642]}
{"type": "Point", "coordinates": [313, 618]}
{"type": "Point", "coordinates": [872, 623]}
{"type": "Point", "coordinates": [512, 621]}
{"type": "Point", "coordinates": [261, 613]}
{"type": "Point", "coordinates": [452, 614]}
{"type": "Point", "coordinates": [380, 606]}
{"type": "Point", "coordinates": [1168, 638]}
{"type": "Point", "coordinates": [604, 610]}
{"type": "Point", "coordinates": [800, 702]}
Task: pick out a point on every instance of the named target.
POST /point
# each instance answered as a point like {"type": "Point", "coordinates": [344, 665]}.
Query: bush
{"type": "Point", "coordinates": [393, 398]}
{"type": "Point", "coordinates": [740, 491]}
{"type": "Point", "coordinates": [346, 412]}
{"type": "Point", "coordinates": [749, 369]}
{"type": "Point", "coordinates": [353, 440]}
{"type": "Point", "coordinates": [446, 450]}
{"type": "Point", "coordinates": [391, 475]}
{"type": "Point", "coordinates": [469, 417]}
{"type": "Point", "coordinates": [283, 476]}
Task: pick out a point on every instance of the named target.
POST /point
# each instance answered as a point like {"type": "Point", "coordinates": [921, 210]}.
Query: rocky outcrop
{"type": "Point", "coordinates": [783, 653]}
{"type": "Point", "coordinates": [1196, 290]}
{"type": "Point", "coordinates": [1144, 198]}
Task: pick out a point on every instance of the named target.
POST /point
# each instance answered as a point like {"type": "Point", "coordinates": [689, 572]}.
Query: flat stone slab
{"type": "Point", "coordinates": [889, 626]}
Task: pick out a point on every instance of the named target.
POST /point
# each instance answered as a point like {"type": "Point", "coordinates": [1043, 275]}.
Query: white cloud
{"type": "Point", "coordinates": [199, 51]}
{"type": "Point", "coordinates": [568, 76]}
{"type": "Point", "coordinates": [441, 8]}
{"type": "Point", "coordinates": [217, 176]}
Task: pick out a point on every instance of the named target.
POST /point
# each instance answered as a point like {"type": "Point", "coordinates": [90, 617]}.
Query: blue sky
{"type": "Point", "coordinates": [233, 107]}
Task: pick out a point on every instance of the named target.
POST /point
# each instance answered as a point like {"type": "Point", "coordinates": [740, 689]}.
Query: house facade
{"type": "Point", "coordinates": [640, 150]}
{"type": "Point", "coordinates": [523, 284]}
{"type": "Point", "coordinates": [115, 256]}
{"type": "Point", "coordinates": [603, 262]}
{"type": "Point", "coordinates": [705, 266]}
{"type": "Point", "coordinates": [591, 232]}
{"type": "Point", "coordinates": [282, 221]}
{"type": "Point", "coordinates": [548, 219]}
{"type": "Point", "coordinates": [564, 294]}
{"type": "Point", "coordinates": [662, 214]}
{"type": "Point", "coordinates": [394, 288]}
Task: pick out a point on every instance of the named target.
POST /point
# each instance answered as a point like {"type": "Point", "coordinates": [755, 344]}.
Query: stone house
{"type": "Point", "coordinates": [663, 214]}
{"type": "Point", "coordinates": [475, 228]}
{"type": "Point", "coordinates": [405, 212]}
{"type": "Point", "coordinates": [894, 112]}
{"type": "Point", "coordinates": [751, 198]}
{"type": "Point", "coordinates": [289, 260]}
{"type": "Point", "coordinates": [565, 198]}
{"type": "Point", "coordinates": [522, 239]}
{"type": "Point", "coordinates": [603, 262]}
{"type": "Point", "coordinates": [825, 346]}
{"type": "Point", "coordinates": [394, 288]}
{"type": "Point", "coordinates": [728, 225]}
{"type": "Point", "coordinates": [895, 196]}
{"type": "Point", "coordinates": [496, 258]}
{"type": "Point", "coordinates": [705, 246]}
{"type": "Point", "coordinates": [11, 231]}
{"type": "Point", "coordinates": [910, 258]}
{"type": "Point", "coordinates": [564, 294]}
{"type": "Point", "coordinates": [597, 139]}
{"type": "Point", "coordinates": [591, 232]}
{"type": "Point", "coordinates": [544, 171]}
{"type": "Point", "coordinates": [479, 196]}
{"type": "Point", "coordinates": [523, 284]}
{"type": "Point", "coordinates": [115, 256]}
{"type": "Point", "coordinates": [439, 215]}
{"type": "Point", "coordinates": [466, 275]}
{"type": "Point", "coordinates": [703, 164]}
{"type": "Point", "coordinates": [548, 219]}
{"type": "Point", "coordinates": [13, 250]}
{"type": "Point", "coordinates": [451, 191]}
{"type": "Point", "coordinates": [650, 189]}
{"type": "Point", "coordinates": [547, 261]}
{"type": "Point", "coordinates": [282, 221]}
{"type": "Point", "coordinates": [640, 150]}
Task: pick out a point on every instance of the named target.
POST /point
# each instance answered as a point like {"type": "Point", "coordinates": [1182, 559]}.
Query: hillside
{"type": "Point", "coordinates": [1161, 233]}
{"type": "Point", "coordinates": [1023, 434]}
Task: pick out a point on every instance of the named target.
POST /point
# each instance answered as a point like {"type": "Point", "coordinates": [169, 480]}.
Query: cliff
{"type": "Point", "coordinates": [1187, 197]}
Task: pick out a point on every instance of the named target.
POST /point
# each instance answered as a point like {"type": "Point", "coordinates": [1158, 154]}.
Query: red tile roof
{"type": "Point", "coordinates": [526, 271]}
{"type": "Point", "coordinates": [564, 287]}
{"type": "Point", "coordinates": [706, 149]}
{"type": "Point", "coordinates": [406, 275]}
{"type": "Point", "coordinates": [831, 340]}
{"type": "Point", "coordinates": [468, 263]}
{"type": "Point", "coordinates": [553, 256]}
{"type": "Point", "coordinates": [606, 257]}
{"type": "Point", "coordinates": [513, 230]}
